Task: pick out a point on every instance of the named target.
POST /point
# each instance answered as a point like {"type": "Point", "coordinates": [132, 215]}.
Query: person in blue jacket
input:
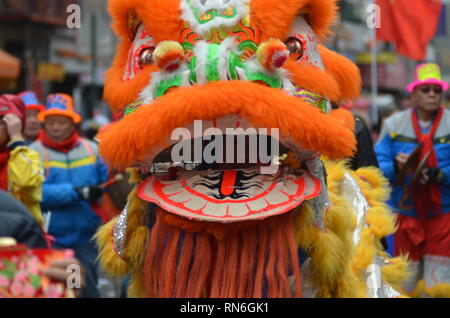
{"type": "Point", "coordinates": [73, 173]}
{"type": "Point", "coordinates": [414, 153]}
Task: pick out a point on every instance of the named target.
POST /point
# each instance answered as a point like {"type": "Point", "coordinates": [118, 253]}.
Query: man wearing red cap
{"type": "Point", "coordinates": [21, 171]}
{"type": "Point", "coordinates": [73, 172]}
{"type": "Point", "coordinates": [414, 154]}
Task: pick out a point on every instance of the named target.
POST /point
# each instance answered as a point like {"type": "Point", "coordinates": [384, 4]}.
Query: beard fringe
{"type": "Point", "coordinates": [188, 259]}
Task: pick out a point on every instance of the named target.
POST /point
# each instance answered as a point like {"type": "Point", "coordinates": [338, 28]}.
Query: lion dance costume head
{"type": "Point", "coordinates": [212, 229]}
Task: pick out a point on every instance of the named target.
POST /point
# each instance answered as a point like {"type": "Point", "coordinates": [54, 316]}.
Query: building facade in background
{"type": "Point", "coordinates": [56, 56]}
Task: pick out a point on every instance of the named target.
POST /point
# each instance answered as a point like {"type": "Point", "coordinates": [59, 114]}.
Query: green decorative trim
{"type": "Point", "coordinates": [163, 86]}
{"type": "Point", "coordinates": [197, 16]}
{"type": "Point", "coordinates": [234, 62]}
{"type": "Point", "coordinates": [273, 82]}
{"type": "Point", "coordinates": [188, 47]}
{"type": "Point", "coordinates": [213, 13]}
{"type": "Point", "coordinates": [312, 98]}
{"type": "Point", "coordinates": [248, 44]}
{"type": "Point", "coordinates": [131, 108]}
{"type": "Point", "coordinates": [212, 65]}
{"type": "Point", "coordinates": [237, 28]}
{"type": "Point", "coordinates": [192, 72]}
{"type": "Point", "coordinates": [223, 15]}
{"type": "Point", "coordinates": [323, 106]}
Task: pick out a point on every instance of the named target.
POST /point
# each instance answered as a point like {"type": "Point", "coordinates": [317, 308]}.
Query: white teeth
{"type": "Point", "coordinates": [173, 188]}
{"type": "Point", "coordinates": [215, 209]}
{"type": "Point", "coordinates": [189, 166]}
{"type": "Point", "coordinates": [195, 205]}
{"type": "Point", "coordinates": [276, 197]}
{"type": "Point", "coordinates": [199, 196]}
{"type": "Point", "coordinates": [181, 197]}
{"type": "Point", "coordinates": [237, 209]}
{"type": "Point", "coordinates": [257, 204]}
{"type": "Point", "coordinates": [289, 187]}
{"type": "Point", "coordinates": [169, 182]}
{"type": "Point", "coordinates": [163, 167]}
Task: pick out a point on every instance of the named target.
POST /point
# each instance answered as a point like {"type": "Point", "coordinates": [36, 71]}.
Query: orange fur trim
{"type": "Point", "coordinates": [161, 17]}
{"type": "Point", "coordinates": [262, 106]}
{"type": "Point", "coordinates": [313, 79]}
{"type": "Point", "coordinates": [344, 71]}
{"type": "Point", "coordinates": [276, 17]}
{"type": "Point", "coordinates": [344, 117]}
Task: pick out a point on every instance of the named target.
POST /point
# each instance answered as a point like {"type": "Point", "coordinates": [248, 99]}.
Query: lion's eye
{"type": "Point", "coordinates": [140, 53]}
{"type": "Point", "coordinates": [146, 57]}
{"type": "Point", "coordinates": [294, 47]}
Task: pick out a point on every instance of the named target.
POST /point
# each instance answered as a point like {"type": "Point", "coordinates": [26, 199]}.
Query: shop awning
{"type": "Point", "coordinates": [9, 66]}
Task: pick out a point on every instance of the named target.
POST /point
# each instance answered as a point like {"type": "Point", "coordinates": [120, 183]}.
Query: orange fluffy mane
{"type": "Point", "coordinates": [162, 19]}
{"type": "Point", "coordinates": [339, 81]}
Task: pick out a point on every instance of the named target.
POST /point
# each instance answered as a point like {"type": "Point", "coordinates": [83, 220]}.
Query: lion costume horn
{"type": "Point", "coordinates": [225, 229]}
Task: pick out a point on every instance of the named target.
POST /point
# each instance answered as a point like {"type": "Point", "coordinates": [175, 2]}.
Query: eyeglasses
{"type": "Point", "coordinates": [428, 89]}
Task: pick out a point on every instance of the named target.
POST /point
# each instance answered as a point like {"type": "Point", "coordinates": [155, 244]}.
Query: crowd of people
{"type": "Point", "coordinates": [55, 174]}
{"type": "Point", "coordinates": [58, 177]}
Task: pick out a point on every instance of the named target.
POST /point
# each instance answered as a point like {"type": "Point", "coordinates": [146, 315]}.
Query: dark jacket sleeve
{"type": "Point", "coordinates": [16, 222]}
{"type": "Point", "coordinates": [365, 154]}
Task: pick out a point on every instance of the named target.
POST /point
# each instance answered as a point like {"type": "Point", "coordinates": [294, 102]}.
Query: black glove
{"type": "Point", "coordinates": [90, 193]}
{"type": "Point", "coordinates": [435, 174]}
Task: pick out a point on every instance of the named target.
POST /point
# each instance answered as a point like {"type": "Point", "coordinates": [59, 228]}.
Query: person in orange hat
{"type": "Point", "coordinates": [32, 109]}
{"type": "Point", "coordinates": [74, 173]}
